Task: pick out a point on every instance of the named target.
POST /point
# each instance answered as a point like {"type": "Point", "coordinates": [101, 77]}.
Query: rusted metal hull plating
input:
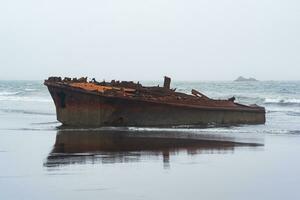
{"type": "Point", "coordinates": [77, 107]}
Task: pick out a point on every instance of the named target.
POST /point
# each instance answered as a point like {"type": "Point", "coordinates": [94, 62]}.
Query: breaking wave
{"type": "Point", "coordinates": [4, 93]}
{"type": "Point", "coordinates": [25, 112]}
{"type": "Point", "coordinates": [23, 93]}
{"type": "Point", "coordinates": [287, 112]}
{"type": "Point", "coordinates": [24, 98]}
{"type": "Point", "coordinates": [282, 101]}
{"type": "Point", "coordinates": [30, 89]}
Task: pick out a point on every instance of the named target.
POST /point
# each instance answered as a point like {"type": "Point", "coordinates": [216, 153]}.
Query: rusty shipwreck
{"type": "Point", "coordinates": [94, 104]}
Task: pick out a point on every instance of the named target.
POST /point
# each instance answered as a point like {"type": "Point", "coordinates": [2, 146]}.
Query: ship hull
{"type": "Point", "coordinates": [76, 107]}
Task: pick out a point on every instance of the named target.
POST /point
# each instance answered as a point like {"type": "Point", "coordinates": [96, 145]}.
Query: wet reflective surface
{"type": "Point", "coordinates": [147, 164]}
{"type": "Point", "coordinates": [38, 160]}
{"type": "Point", "coordinates": [117, 146]}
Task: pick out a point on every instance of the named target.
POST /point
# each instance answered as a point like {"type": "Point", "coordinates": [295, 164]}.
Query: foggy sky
{"type": "Point", "coordinates": [147, 39]}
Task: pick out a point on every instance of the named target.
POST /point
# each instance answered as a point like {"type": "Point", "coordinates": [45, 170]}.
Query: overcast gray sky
{"type": "Point", "coordinates": [146, 39]}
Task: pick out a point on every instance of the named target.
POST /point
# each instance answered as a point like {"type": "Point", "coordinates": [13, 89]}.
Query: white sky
{"type": "Point", "coordinates": [147, 39]}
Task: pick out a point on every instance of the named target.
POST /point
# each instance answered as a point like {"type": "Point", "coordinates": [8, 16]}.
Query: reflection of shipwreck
{"type": "Point", "coordinates": [116, 146]}
{"type": "Point", "coordinates": [82, 103]}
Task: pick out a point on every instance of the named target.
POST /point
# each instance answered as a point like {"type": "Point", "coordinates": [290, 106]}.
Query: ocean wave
{"type": "Point", "coordinates": [25, 112]}
{"type": "Point", "coordinates": [282, 101]}
{"type": "Point", "coordinates": [293, 113]}
{"type": "Point", "coordinates": [189, 130]}
{"type": "Point", "coordinates": [287, 111]}
{"type": "Point", "coordinates": [30, 89]}
{"type": "Point", "coordinates": [25, 98]}
{"type": "Point", "coordinates": [6, 93]}
{"type": "Point", "coordinates": [247, 98]}
{"type": "Point", "coordinates": [25, 95]}
{"type": "Point", "coordinates": [281, 132]}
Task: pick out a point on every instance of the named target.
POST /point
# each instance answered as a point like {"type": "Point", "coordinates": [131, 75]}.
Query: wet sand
{"type": "Point", "coordinates": [40, 161]}
{"type": "Point", "coordinates": [110, 164]}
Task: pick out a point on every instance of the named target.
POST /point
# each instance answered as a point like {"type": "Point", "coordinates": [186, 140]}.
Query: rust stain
{"type": "Point", "coordinates": [99, 88]}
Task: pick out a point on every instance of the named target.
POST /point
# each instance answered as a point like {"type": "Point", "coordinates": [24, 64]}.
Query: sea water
{"type": "Point", "coordinates": [267, 166]}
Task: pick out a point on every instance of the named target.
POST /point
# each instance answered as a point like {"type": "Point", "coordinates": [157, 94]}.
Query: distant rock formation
{"type": "Point", "coordinates": [241, 78]}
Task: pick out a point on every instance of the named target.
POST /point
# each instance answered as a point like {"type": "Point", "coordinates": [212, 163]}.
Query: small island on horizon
{"type": "Point", "coordinates": [241, 78]}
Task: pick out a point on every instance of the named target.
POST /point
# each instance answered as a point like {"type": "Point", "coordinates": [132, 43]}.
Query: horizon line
{"type": "Point", "coordinates": [173, 80]}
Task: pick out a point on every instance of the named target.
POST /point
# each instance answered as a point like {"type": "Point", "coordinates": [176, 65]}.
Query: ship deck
{"type": "Point", "coordinates": [156, 94]}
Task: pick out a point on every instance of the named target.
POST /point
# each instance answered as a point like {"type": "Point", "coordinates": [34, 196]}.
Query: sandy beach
{"type": "Point", "coordinates": [39, 160]}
